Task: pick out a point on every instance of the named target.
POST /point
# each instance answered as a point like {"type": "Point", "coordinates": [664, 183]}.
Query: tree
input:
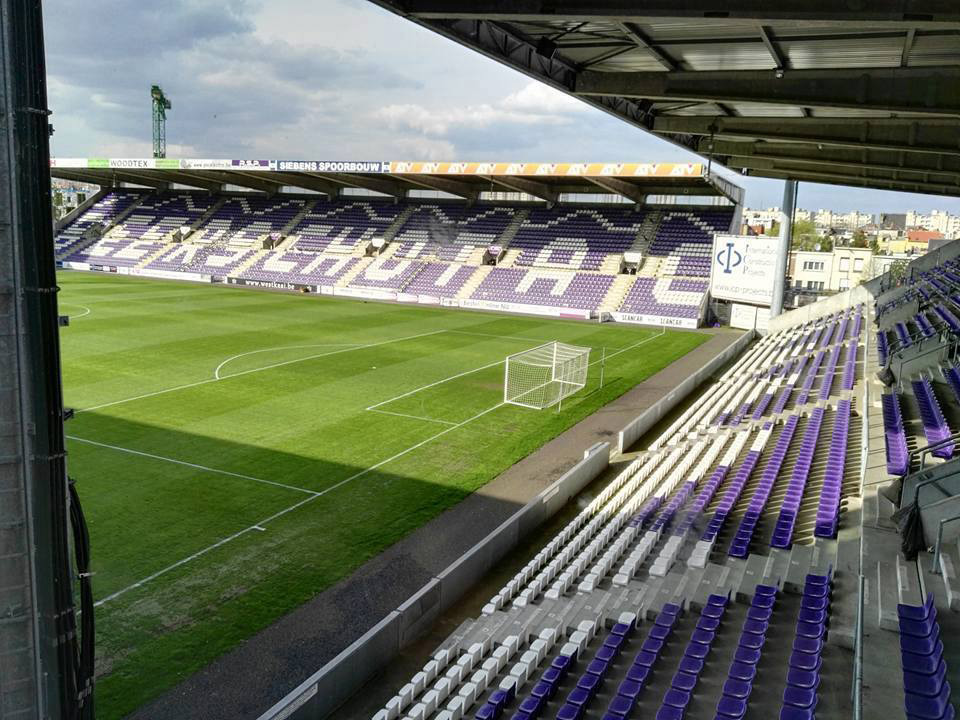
{"type": "Point", "coordinates": [897, 270]}
{"type": "Point", "coordinates": [859, 239]}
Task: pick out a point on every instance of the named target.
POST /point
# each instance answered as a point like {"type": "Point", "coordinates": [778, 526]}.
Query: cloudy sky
{"type": "Point", "coordinates": [331, 80]}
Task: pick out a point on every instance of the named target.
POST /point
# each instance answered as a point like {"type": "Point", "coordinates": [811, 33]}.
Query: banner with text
{"type": "Point", "coordinates": [743, 268]}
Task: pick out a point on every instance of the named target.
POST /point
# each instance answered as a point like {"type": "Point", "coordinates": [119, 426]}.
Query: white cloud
{"type": "Point", "coordinates": [533, 104]}
{"type": "Point", "coordinates": [539, 98]}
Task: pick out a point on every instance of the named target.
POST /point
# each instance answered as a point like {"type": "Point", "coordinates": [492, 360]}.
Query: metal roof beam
{"type": "Point", "coordinates": [808, 11]}
{"type": "Point", "coordinates": [109, 178]}
{"type": "Point", "coordinates": [931, 90]}
{"type": "Point", "coordinates": [936, 136]}
{"type": "Point", "coordinates": [907, 46]}
{"type": "Point", "coordinates": [190, 180]}
{"type": "Point", "coordinates": [641, 40]}
{"type": "Point", "coordinates": [380, 185]}
{"type": "Point", "coordinates": [246, 180]}
{"type": "Point", "coordinates": [759, 168]}
{"type": "Point", "coordinates": [306, 182]}
{"type": "Point", "coordinates": [621, 187]}
{"type": "Point", "coordinates": [771, 48]}
{"type": "Point", "coordinates": [841, 158]}
{"type": "Point", "coordinates": [523, 185]}
{"type": "Point", "coordinates": [453, 187]}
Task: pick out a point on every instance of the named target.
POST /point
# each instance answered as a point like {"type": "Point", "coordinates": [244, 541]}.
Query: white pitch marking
{"type": "Point", "coordinates": [314, 496]}
{"type": "Point", "coordinates": [204, 551]}
{"type": "Point", "coordinates": [631, 347]}
{"type": "Point", "coordinates": [86, 310]}
{"type": "Point", "coordinates": [412, 417]}
{"type": "Point", "coordinates": [216, 373]}
{"type": "Point", "coordinates": [190, 464]}
{"type": "Point", "coordinates": [253, 370]}
{"type": "Point", "coordinates": [438, 382]}
{"type": "Point", "coordinates": [501, 337]}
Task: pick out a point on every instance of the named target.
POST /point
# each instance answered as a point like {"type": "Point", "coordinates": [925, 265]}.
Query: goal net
{"type": "Point", "coordinates": [542, 376]}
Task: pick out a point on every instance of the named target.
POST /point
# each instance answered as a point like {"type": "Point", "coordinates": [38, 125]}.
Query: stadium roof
{"type": "Point", "coordinates": [546, 181]}
{"type": "Point", "coordinates": [833, 91]}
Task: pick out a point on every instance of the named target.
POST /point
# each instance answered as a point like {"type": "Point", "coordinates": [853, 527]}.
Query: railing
{"type": "Point", "coordinates": [948, 348]}
{"type": "Point", "coordinates": [936, 552]}
{"type": "Point", "coordinates": [926, 450]}
{"type": "Point", "coordinates": [856, 691]}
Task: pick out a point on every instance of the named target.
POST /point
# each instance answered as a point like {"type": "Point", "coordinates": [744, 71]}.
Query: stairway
{"type": "Point", "coordinates": [391, 232]}
{"type": "Point", "coordinates": [509, 258]}
{"type": "Point", "coordinates": [117, 220]}
{"type": "Point", "coordinates": [476, 257]}
{"type": "Point", "coordinates": [248, 263]}
{"type": "Point", "coordinates": [358, 268]}
{"type": "Point", "coordinates": [618, 291]}
{"type": "Point", "coordinates": [611, 264]}
{"type": "Point", "coordinates": [647, 232]}
{"type": "Point", "coordinates": [149, 258]}
{"type": "Point", "coordinates": [201, 221]}
{"type": "Point", "coordinates": [473, 282]}
{"type": "Point", "coordinates": [506, 237]}
{"type": "Point", "coordinates": [295, 220]}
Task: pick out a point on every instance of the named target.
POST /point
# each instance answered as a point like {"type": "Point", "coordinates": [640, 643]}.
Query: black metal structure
{"type": "Point", "coordinates": [46, 665]}
{"type": "Point", "coordinates": [833, 91]}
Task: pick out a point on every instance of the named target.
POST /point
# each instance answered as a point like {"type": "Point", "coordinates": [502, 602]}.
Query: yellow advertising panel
{"type": "Point", "coordinates": [663, 170]}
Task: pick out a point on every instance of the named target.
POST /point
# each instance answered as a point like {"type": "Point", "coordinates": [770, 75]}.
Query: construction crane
{"type": "Point", "coordinates": [160, 106]}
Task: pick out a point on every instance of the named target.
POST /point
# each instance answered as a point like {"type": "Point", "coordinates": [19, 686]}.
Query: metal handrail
{"type": "Point", "coordinates": [936, 552]}
{"type": "Point", "coordinates": [922, 484]}
{"type": "Point", "coordinates": [927, 449]}
{"type": "Point", "coordinates": [856, 691]}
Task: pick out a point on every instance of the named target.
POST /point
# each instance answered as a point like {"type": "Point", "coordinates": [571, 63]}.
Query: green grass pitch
{"type": "Point", "coordinates": [230, 469]}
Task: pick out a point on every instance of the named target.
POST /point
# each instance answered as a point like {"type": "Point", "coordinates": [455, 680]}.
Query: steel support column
{"type": "Point", "coordinates": [785, 238]}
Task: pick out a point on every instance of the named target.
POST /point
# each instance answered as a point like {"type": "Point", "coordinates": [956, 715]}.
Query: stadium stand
{"type": "Point", "coordinates": [715, 526]}
{"type": "Point", "coordinates": [555, 260]}
{"type": "Point", "coordinates": [98, 216]}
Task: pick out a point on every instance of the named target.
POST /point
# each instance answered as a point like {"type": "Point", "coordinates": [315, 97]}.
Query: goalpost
{"type": "Point", "coordinates": [542, 376]}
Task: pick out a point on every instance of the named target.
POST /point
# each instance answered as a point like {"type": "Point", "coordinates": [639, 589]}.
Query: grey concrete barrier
{"type": "Point", "coordinates": [825, 306]}
{"type": "Point", "coordinates": [653, 414]}
{"type": "Point", "coordinates": [320, 694]}
{"type": "Point", "coordinates": [334, 683]}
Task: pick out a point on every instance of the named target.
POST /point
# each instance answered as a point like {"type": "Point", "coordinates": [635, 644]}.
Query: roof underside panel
{"type": "Point", "coordinates": [803, 61]}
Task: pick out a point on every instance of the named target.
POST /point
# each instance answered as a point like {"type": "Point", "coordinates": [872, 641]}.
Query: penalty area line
{"type": "Point", "coordinates": [412, 417]}
{"type": "Point", "coordinates": [253, 370]}
{"type": "Point", "coordinates": [196, 466]}
{"type": "Point", "coordinates": [259, 526]}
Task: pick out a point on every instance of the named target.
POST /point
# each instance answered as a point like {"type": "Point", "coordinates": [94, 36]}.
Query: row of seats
{"type": "Point", "coordinates": [935, 426]}
{"type": "Point", "coordinates": [738, 685]}
{"type": "Point", "coordinates": [926, 691]}
{"type": "Point", "coordinates": [895, 435]}
{"type": "Point", "coordinates": [800, 697]}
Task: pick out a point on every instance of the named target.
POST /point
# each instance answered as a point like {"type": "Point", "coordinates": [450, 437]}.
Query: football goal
{"type": "Point", "coordinates": [542, 376]}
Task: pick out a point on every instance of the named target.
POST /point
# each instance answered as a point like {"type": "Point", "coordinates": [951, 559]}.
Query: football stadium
{"type": "Point", "coordinates": [444, 440]}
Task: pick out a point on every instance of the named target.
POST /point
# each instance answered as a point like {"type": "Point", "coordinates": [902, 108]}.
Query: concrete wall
{"type": "Point", "coordinates": [60, 224]}
{"type": "Point", "coordinates": [652, 415]}
{"type": "Point", "coordinates": [827, 305]}
{"type": "Point", "coordinates": [324, 691]}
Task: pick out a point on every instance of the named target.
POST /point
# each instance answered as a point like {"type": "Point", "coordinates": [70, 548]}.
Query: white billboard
{"type": "Point", "coordinates": [743, 268]}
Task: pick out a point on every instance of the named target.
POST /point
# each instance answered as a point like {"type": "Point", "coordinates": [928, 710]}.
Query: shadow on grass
{"type": "Point", "coordinates": [147, 514]}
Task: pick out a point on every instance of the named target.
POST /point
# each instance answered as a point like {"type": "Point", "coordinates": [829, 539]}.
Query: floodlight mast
{"type": "Point", "coordinates": [160, 106]}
